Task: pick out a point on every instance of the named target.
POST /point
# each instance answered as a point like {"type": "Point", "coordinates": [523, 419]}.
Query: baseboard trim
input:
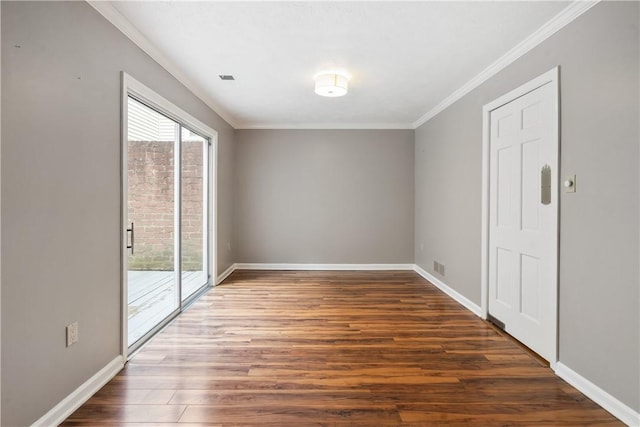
{"type": "Point", "coordinates": [618, 409]}
{"type": "Point", "coordinates": [79, 396]}
{"type": "Point", "coordinates": [226, 273]}
{"type": "Point", "coordinates": [69, 404]}
{"type": "Point", "coordinates": [598, 395]}
{"type": "Point", "coordinates": [470, 305]}
{"type": "Point", "coordinates": [323, 267]}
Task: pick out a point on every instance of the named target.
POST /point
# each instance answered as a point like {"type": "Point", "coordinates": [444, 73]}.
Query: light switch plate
{"type": "Point", "coordinates": [569, 184]}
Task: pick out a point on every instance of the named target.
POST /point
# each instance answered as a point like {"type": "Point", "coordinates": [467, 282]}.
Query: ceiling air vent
{"type": "Point", "coordinates": [226, 77]}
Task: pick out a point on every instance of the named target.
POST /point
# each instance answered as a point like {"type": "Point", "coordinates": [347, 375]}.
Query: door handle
{"type": "Point", "coordinates": [545, 185]}
{"type": "Point", "coordinates": [130, 230]}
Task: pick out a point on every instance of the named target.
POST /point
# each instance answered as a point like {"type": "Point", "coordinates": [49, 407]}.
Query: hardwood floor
{"type": "Point", "coordinates": [152, 297]}
{"type": "Point", "coordinates": [339, 349]}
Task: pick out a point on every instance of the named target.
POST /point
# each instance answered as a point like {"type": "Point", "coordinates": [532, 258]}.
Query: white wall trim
{"type": "Point", "coordinates": [618, 409]}
{"type": "Point", "coordinates": [323, 267]}
{"type": "Point", "coordinates": [331, 126]}
{"type": "Point", "coordinates": [566, 16]}
{"type": "Point", "coordinates": [466, 302]}
{"type": "Point", "coordinates": [225, 274]}
{"type": "Point", "coordinates": [73, 401]}
{"type": "Point", "coordinates": [111, 14]}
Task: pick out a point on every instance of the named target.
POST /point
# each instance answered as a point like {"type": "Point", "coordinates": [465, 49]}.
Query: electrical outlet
{"type": "Point", "coordinates": [229, 246]}
{"type": "Point", "coordinates": [72, 334]}
{"type": "Point", "coordinates": [421, 247]}
{"type": "Point", "coordinates": [438, 268]}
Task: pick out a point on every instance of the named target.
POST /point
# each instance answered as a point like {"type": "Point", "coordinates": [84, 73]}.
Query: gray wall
{"type": "Point", "coordinates": [324, 196]}
{"type": "Point", "coordinates": [61, 195]}
{"type": "Point", "coordinates": [599, 310]}
{"type": "Point", "coordinates": [302, 196]}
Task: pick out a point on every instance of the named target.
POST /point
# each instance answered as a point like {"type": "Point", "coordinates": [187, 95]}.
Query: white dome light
{"type": "Point", "coordinates": [331, 84]}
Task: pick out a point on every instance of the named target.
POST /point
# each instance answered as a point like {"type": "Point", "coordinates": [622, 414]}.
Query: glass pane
{"type": "Point", "coordinates": [152, 287]}
{"type": "Point", "coordinates": [194, 203]}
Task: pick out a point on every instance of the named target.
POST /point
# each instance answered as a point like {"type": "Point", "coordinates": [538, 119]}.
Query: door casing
{"type": "Point", "coordinates": [551, 77]}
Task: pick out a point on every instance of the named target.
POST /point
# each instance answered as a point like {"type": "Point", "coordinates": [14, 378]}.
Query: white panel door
{"type": "Point", "coordinates": [523, 240]}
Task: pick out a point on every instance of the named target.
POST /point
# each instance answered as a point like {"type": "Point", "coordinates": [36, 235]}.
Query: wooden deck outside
{"type": "Point", "coordinates": [334, 349]}
{"type": "Point", "coordinates": [152, 296]}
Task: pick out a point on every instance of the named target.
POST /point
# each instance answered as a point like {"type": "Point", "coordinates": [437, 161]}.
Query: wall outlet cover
{"type": "Point", "coordinates": [72, 334]}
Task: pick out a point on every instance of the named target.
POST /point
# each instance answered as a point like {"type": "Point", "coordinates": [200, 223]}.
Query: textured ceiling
{"type": "Point", "coordinates": [404, 57]}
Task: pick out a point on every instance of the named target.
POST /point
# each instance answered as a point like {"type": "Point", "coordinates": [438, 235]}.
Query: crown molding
{"type": "Point", "coordinates": [562, 19]}
{"type": "Point", "coordinates": [337, 126]}
{"type": "Point", "coordinates": [566, 16]}
{"type": "Point", "coordinates": [112, 15]}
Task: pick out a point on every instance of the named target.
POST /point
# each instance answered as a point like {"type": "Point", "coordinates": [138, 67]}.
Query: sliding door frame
{"type": "Point", "coordinates": [135, 89]}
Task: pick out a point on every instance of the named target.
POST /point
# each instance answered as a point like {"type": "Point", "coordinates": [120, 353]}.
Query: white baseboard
{"type": "Point", "coordinates": [226, 274]}
{"type": "Point", "coordinates": [618, 409]}
{"type": "Point", "coordinates": [592, 391]}
{"type": "Point", "coordinates": [312, 267]}
{"type": "Point", "coordinates": [74, 400]}
{"type": "Point", "coordinates": [69, 404]}
{"type": "Point", "coordinates": [470, 305]}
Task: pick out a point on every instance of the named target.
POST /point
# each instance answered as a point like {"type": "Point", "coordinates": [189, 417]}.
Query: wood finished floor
{"type": "Point", "coordinates": [334, 349]}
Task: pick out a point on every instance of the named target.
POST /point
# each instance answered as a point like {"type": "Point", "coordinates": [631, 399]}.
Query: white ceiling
{"type": "Point", "coordinates": [406, 59]}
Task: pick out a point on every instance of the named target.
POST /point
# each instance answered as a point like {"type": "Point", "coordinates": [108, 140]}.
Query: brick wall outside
{"type": "Point", "coordinates": [192, 214]}
{"type": "Point", "coordinates": [151, 204]}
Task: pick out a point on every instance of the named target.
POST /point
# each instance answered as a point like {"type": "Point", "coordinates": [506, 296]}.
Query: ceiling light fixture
{"type": "Point", "coordinates": [331, 84]}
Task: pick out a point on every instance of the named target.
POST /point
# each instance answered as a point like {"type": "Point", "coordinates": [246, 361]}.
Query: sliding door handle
{"type": "Point", "coordinates": [130, 230]}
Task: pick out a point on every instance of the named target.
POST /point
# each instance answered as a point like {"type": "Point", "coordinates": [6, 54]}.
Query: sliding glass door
{"type": "Point", "coordinates": [151, 190]}
{"type": "Point", "coordinates": [194, 160]}
{"type": "Point", "coordinates": [166, 217]}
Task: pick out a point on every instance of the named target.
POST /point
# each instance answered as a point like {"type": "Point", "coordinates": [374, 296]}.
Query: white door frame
{"type": "Point", "coordinates": [161, 104]}
{"type": "Point", "coordinates": [550, 77]}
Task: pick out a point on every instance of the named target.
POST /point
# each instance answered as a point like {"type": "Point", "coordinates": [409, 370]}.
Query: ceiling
{"type": "Point", "coordinates": [407, 60]}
